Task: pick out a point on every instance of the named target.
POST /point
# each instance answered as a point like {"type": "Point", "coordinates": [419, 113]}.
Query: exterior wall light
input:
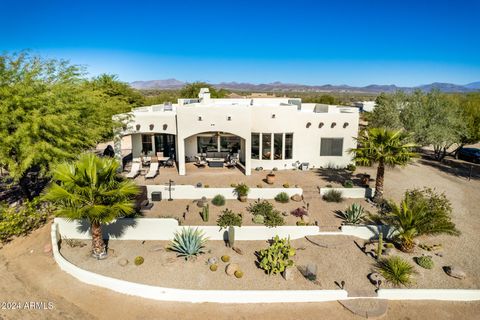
{"type": "Point", "coordinates": [333, 124]}
{"type": "Point", "coordinates": [345, 125]}
{"type": "Point", "coordinates": [320, 125]}
{"type": "Point", "coordinates": [308, 124]}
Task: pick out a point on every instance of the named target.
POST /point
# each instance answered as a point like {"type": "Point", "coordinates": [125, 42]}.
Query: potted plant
{"type": "Point", "coordinates": [241, 190]}
{"type": "Point", "coordinates": [271, 177]}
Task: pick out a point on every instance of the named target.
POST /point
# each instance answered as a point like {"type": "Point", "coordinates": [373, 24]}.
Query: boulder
{"type": "Point", "coordinates": [122, 262]}
{"type": "Point", "coordinates": [374, 277]}
{"type": "Point", "coordinates": [288, 274]}
{"type": "Point", "coordinates": [231, 268]}
{"type": "Point", "coordinates": [454, 271]}
{"type": "Point", "coordinates": [309, 271]}
{"type": "Point", "coordinates": [296, 197]}
{"type": "Point", "coordinates": [212, 260]}
{"type": "Point", "coordinates": [47, 248]}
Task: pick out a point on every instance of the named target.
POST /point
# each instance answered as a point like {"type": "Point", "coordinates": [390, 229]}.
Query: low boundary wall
{"type": "Point", "coordinates": [192, 192]}
{"type": "Point", "coordinates": [354, 193]}
{"type": "Point", "coordinates": [243, 296]}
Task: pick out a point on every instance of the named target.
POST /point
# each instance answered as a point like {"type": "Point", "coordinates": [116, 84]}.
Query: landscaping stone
{"type": "Point", "coordinates": [296, 197]}
{"type": "Point", "coordinates": [212, 260]}
{"type": "Point", "coordinates": [439, 254]}
{"type": "Point", "coordinates": [374, 277]}
{"type": "Point", "coordinates": [157, 248]}
{"type": "Point", "coordinates": [47, 248]}
{"type": "Point", "coordinates": [309, 271]}
{"type": "Point", "coordinates": [306, 219]}
{"type": "Point", "coordinates": [288, 274]}
{"type": "Point", "coordinates": [455, 272]}
{"type": "Point", "coordinates": [231, 268]}
{"type": "Point", "coordinates": [122, 262]}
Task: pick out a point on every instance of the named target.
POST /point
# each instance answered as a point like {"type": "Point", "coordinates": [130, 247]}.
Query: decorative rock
{"type": "Point", "coordinates": [157, 248]}
{"type": "Point", "coordinates": [288, 274]}
{"type": "Point", "coordinates": [212, 260]}
{"type": "Point", "coordinates": [309, 272]}
{"type": "Point", "coordinates": [47, 248]}
{"type": "Point", "coordinates": [122, 262]}
{"type": "Point", "coordinates": [374, 277]}
{"type": "Point", "coordinates": [285, 214]}
{"type": "Point", "coordinates": [296, 197]}
{"type": "Point", "coordinates": [439, 254]}
{"type": "Point", "coordinates": [455, 272]}
{"type": "Point", "coordinates": [231, 268]}
{"type": "Point", "coordinates": [306, 219]}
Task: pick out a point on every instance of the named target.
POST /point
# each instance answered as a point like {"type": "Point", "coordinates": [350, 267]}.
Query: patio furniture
{"type": "Point", "coordinates": [199, 162]}
{"type": "Point", "coordinates": [146, 205]}
{"type": "Point", "coordinates": [169, 163]}
{"type": "Point", "coordinates": [162, 160]}
{"type": "Point", "coordinates": [134, 171]}
{"type": "Point", "coordinates": [146, 161]}
{"type": "Point", "coordinates": [152, 171]}
{"type": "Point", "coordinates": [215, 162]}
{"type": "Point", "coordinates": [304, 166]}
{"type": "Point", "coordinates": [232, 163]}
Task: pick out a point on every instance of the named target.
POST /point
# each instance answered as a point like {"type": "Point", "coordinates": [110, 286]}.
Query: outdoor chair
{"type": "Point", "coordinates": [169, 163]}
{"type": "Point", "coordinates": [232, 163]}
{"type": "Point", "coordinates": [134, 171]}
{"type": "Point", "coordinates": [152, 171]}
{"type": "Point", "coordinates": [199, 162]}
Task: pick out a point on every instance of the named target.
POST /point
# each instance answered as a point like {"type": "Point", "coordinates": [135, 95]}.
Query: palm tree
{"type": "Point", "coordinates": [415, 217]}
{"type": "Point", "coordinates": [385, 147]}
{"type": "Point", "coordinates": [91, 189]}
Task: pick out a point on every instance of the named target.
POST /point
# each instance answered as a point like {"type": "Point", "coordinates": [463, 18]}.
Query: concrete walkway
{"type": "Point", "coordinates": [366, 308]}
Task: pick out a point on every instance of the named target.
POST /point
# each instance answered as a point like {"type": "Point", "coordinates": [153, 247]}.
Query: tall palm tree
{"type": "Point", "coordinates": [91, 189]}
{"type": "Point", "coordinates": [386, 148]}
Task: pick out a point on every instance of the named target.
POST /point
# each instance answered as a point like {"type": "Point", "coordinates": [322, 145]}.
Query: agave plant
{"type": "Point", "coordinates": [353, 214]}
{"type": "Point", "coordinates": [396, 270]}
{"type": "Point", "coordinates": [188, 243]}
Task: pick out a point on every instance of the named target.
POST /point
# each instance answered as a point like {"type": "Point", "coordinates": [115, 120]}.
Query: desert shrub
{"type": "Point", "coordinates": [282, 197]}
{"type": "Point", "coordinates": [353, 214]}
{"type": "Point", "coordinates": [233, 185]}
{"type": "Point", "coordinates": [272, 217]}
{"type": "Point", "coordinates": [258, 219]}
{"type": "Point", "coordinates": [351, 167]}
{"type": "Point", "coordinates": [218, 200]}
{"type": "Point", "coordinates": [328, 186]}
{"type": "Point", "coordinates": [206, 186]}
{"type": "Point", "coordinates": [228, 218]}
{"type": "Point", "coordinates": [301, 223]}
{"type": "Point", "coordinates": [276, 258]}
{"type": "Point", "coordinates": [333, 196]}
{"type": "Point", "coordinates": [286, 185]}
{"type": "Point", "coordinates": [425, 262]}
{"type": "Point", "coordinates": [241, 190]}
{"type": "Point", "coordinates": [422, 212]}
{"type": "Point", "coordinates": [21, 220]}
{"type": "Point", "coordinates": [396, 270]}
{"type": "Point", "coordinates": [259, 186]}
{"type": "Point", "coordinates": [138, 260]}
{"type": "Point", "coordinates": [299, 212]}
{"type": "Point", "coordinates": [188, 243]}
{"type": "Point", "coordinates": [348, 184]}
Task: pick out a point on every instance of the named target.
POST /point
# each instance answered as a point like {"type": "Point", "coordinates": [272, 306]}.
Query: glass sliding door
{"type": "Point", "coordinates": [230, 144]}
{"type": "Point", "coordinates": [207, 144]}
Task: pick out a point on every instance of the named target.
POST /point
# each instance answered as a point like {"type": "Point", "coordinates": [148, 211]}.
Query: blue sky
{"type": "Point", "coordinates": [312, 42]}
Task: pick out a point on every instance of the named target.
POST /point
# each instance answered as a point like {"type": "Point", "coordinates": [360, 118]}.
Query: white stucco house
{"type": "Point", "coordinates": [266, 133]}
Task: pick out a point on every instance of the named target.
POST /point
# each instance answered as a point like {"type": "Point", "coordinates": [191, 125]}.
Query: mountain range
{"type": "Point", "coordinates": [285, 87]}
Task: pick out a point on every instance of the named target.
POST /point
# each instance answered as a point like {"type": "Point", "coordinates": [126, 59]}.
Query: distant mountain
{"type": "Point", "coordinates": [293, 87]}
{"type": "Point", "coordinates": [473, 85]}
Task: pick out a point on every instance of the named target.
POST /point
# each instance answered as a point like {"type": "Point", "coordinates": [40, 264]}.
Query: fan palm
{"type": "Point", "coordinates": [91, 189]}
{"type": "Point", "coordinates": [386, 148]}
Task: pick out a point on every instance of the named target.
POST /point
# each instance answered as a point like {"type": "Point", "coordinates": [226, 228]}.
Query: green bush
{"type": "Point", "coordinates": [20, 221]}
{"type": "Point", "coordinates": [138, 260]}
{"type": "Point", "coordinates": [354, 214]}
{"type": "Point", "coordinates": [228, 218]}
{"type": "Point", "coordinates": [425, 262]}
{"type": "Point", "coordinates": [333, 196]}
{"type": "Point", "coordinates": [282, 197]}
{"type": "Point", "coordinates": [351, 167]}
{"type": "Point", "coordinates": [272, 217]}
{"type": "Point", "coordinates": [396, 270]}
{"type": "Point", "coordinates": [348, 184]}
{"type": "Point", "coordinates": [258, 219]}
{"type": "Point", "coordinates": [218, 200]}
{"type": "Point", "coordinates": [276, 258]}
{"type": "Point", "coordinates": [188, 243]}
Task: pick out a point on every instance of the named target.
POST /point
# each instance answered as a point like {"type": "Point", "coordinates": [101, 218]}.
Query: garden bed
{"type": "Point", "coordinates": [341, 261]}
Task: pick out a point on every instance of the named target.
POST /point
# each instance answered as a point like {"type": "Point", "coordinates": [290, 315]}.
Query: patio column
{"type": "Point", "coordinates": [181, 156]}
{"type": "Point", "coordinates": [248, 155]}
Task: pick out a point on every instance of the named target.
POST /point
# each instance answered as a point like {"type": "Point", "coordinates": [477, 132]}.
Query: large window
{"type": "Point", "coordinates": [230, 144]}
{"type": "Point", "coordinates": [146, 143]}
{"type": "Point", "coordinates": [255, 146]}
{"type": "Point", "coordinates": [165, 143]}
{"type": "Point", "coordinates": [266, 146]}
{"type": "Point", "coordinates": [207, 144]}
{"type": "Point", "coordinates": [331, 147]}
{"type": "Point", "coordinates": [277, 146]}
{"type": "Point", "coordinates": [288, 146]}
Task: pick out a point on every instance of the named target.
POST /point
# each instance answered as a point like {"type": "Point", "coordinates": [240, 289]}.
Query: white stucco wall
{"type": "Point", "coordinates": [192, 192]}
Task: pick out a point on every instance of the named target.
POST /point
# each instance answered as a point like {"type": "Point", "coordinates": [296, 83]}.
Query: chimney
{"type": "Point", "coordinates": [204, 95]}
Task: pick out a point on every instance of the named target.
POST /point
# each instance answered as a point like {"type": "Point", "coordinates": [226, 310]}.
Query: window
{"type": "Point", "coordinates": [288, 146]}
{"type": "Point", "coordinates": [207, 144]}
{"type": "Point", "coordinates": [277, 146]}
{"type": "Point", "coordinates": [331, 147]}
{"type": "Point", "coordinates": [266, 146]}
{"type": "Point", "coordinates": [146, 143]}
{"type": "Point", "coordinates": [165, 143]}
{"type": "Point", "coordinates": [230, 144]}
{"type": "Point", "coordinates": [255, 146]}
